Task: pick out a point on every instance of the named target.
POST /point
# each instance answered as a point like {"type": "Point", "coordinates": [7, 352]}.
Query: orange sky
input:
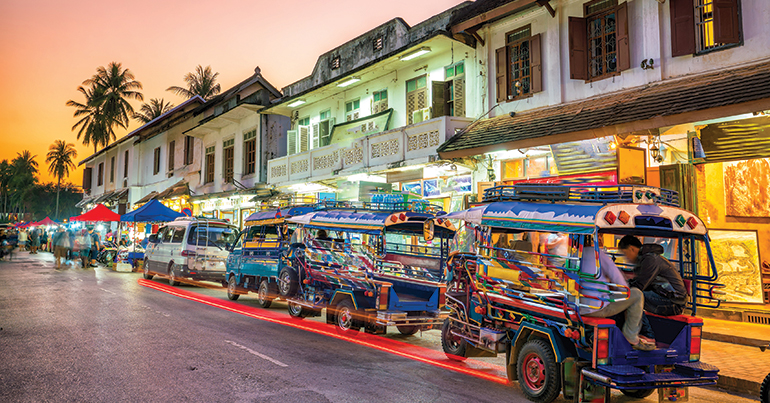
{"type": "Point", "coordinates": [48, 47]}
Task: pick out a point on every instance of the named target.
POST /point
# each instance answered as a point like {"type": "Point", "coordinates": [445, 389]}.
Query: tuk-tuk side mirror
{"type": "Point", "coordinates": [428, 229]}
{"type": "Point", "coordinates": [153, 238]}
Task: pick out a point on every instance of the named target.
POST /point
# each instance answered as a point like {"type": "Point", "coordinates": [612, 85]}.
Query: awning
{"type": "Point", "coordinates": [83, 202]}
{"type": "Point", "coordinates": [148, 197]}
{"type": "Point", "coordinates": [153, 211]}
{"type": "Point", "coordinates": [98, 213]}
{"type": "Point", "coordinates": [693, 98]}
{"type": "Point", "coordinates": [111, 196]}
{"type": "Point", "coordinates": [178, 189]}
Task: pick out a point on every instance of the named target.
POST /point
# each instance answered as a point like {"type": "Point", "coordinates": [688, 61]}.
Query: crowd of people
{"type": "Point", "coordinates": [70, 247]}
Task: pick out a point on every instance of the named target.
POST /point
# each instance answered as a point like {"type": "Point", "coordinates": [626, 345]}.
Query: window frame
{"type": "Point", "coordinates": [171, 149]}
{"type": "Point", "coordinates": [125, 164]}
{"type": "Point", "coordinates": [210, 161]}
{"type": "Point", "coordinates": [701, 52]}
{"type": "Point", "coordinates": [156, 161]}
{"type": "Point", "coordinates": [100, 174]}
{"type": "Point", "coordinates": [250, 152]}
{"type": "Point", "coordinates": [613, 8]}
{"type": "Point", "coordinates": [228, 161]}
{"type": "Point", "coordinates": [508, 45]}
{"type": "Point", "coordinates": [112, 169]}
{"type": "Point", "coordinates": [353, 109]}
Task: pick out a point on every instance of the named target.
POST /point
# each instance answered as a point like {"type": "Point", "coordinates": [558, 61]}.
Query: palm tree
{"type": "Point", "coordinates": [59, 160]}
{"type": "Point", "coordinates": [203, 82]}
{"type": "Point", "coordinates": [152, 110]}
{"type": "Point", "coordinates": [5, 178]}
{"type": "Point", "coordinates": [91, 122]}
{"type": "Point", "coordinates": [24, 170]}
{"type": "Point", "coordinates": [107, 93]}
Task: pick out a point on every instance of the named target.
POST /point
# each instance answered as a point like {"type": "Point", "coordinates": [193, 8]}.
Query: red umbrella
{"type": "Point", "coordinates": [98, 213]}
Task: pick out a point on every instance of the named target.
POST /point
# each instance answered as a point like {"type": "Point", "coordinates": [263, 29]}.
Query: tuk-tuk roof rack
{"type": "Point", "coordinates": [421, 206]}
{"type": "Point", "coordinates": [188, 218]}
{"type": "Point", "coordinates": [582, 194]}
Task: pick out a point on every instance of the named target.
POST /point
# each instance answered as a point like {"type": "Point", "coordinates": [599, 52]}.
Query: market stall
{"type": "Point", "coordinates": [151, 212]}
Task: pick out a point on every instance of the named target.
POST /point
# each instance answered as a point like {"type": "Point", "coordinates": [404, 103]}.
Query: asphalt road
{"type": "Point", "coordinates": [96, 335]}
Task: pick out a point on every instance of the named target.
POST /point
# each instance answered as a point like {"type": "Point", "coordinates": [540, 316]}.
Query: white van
{"type": "Point", "coordinates": [189, 247]}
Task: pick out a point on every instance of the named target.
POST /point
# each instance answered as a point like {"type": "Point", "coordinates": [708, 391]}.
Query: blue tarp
{"type": "Point", "coordinates": [151, 212]}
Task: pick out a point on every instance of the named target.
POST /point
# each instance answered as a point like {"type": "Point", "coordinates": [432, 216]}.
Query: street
{"type": "Point", "coordinates": [97, 335]}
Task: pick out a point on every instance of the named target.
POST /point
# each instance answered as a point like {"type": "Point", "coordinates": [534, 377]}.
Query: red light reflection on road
{"type": "Point", "coordinates": [478, 369]}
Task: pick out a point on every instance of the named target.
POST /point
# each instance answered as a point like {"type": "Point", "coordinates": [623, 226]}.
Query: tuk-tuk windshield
{"type": "Point", "coordinates": [411, 243]}
{"type": "Point", "coordinates": [464, 240]}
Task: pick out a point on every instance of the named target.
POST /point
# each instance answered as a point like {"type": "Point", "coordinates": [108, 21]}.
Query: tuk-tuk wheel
{"type": "Point", "coordinates": [146, 270]}
{"type": "Point", "coordinates": [638, 393]}
{"type": "Point", "coordinates": [764, 391]}
{"type": "Point", "coordinates": [266, 293]}
{"type": "Point", "coordinates": [298, 311]}
{"type": "Point", "coordinates": [538, 372]}
{"type": "Point", "coordinates": [408, 330]}
{"type": "Point", "coordinates": [344, 316]}
{"type": "Point", "coordinates": [288, 282]}
{"type": "Point", "coordinates": [454, 347]}
{"type": "Point", "coordinates": [232, 289]}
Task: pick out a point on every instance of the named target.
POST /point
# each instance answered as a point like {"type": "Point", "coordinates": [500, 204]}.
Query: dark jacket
{"type": "Point", "coordinates": [654, 272]}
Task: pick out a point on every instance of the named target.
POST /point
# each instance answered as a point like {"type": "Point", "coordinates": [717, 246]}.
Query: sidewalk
{"type": "Point", "coordinates": [734, 347]}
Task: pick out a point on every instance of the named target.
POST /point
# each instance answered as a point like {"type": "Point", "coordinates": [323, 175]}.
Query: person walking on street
{"type": "Point", "coordinates": [85, 248]}
{"type": "Point", "coordinates": [44, 241]}
{"type": "Point", "coordinates": [22, 239]}
{"type": "Point", "coordinates": [96, 245]}
{"type": "Point", "coordinates": [34, 241]}
{"type": "Point", "coordinates": [60, 246]}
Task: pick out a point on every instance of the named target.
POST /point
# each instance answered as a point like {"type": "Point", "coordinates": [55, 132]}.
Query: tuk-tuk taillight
{"type": "Point", "coordinates": [441, 296]}
{"type": "Point", "coordinates": [695, 337]}
{"type": "Point", "coordinates": [383, 298]}
{"type": "Point", "coordinates": [602, 345]}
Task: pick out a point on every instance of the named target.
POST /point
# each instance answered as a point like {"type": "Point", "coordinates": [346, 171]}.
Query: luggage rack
{"type": "Point", "coordinates": [582, 194]}
{"type": "Point", "coordinates": [420, 206]}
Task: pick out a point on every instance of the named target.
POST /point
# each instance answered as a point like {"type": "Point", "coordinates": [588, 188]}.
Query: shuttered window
{"type": "Point", "coordinates": [210, 164]}
{"type": "Point", "coordinates": [379, 101]}
{"type": "Point", "coordinates": [599, 44]}
{"type": "Point", "coordinates": [112, 170]}
{"type": "Point", "coordinates": [352, 110]}
{"type": "Point", "coordinates": [171, 150]}
{"type": "Point", "coordinates": [156, 161]}
{"type": "Point", "coordinates": [125, 164]}
{"type": "Point", "coordinates": [455, 90]}
{"type": "Point", "coordinates": [100, 175]}
{"type": "Point", "coordinates": [250, 152]}
{"type": "Point", "coordinates": [702, 26]}
{"type": "Point", "coordinates": [228, 159]}
{"type": "Point", "coordinates": [416, 97]}
{"type": "Point", "coordinates": [521, 65]}
{"type": "Point", "coordinates": [189, 143]}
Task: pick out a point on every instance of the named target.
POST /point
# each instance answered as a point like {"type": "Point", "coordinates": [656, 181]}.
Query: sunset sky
{"type": "Point", "coordinates": [49, 47]}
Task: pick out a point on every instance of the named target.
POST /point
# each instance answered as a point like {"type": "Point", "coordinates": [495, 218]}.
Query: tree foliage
{"type": "Point", "coordinates": [152, 110]}
{"type": "Point", "coordinates": [202, 81]}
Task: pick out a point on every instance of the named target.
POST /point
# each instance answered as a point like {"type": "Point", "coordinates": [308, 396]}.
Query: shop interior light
{"type": "Point", "coordinates": [415, 54]}
{"type": "Point", "coordinates": [296, 103]}
{"type": "Point", "coordinates": [349, 81]}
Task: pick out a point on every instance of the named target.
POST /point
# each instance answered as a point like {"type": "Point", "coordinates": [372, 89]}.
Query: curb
{"type": "Point", "coordinates": [739, 385]}
{"type": "Point", "coordinates": [743, 341]}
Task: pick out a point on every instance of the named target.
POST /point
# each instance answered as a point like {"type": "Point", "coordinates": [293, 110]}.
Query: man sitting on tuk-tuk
{"type": "Point", "coordinates": [633, 306]}
{"type": "Point", "coordinates": [664, 291]}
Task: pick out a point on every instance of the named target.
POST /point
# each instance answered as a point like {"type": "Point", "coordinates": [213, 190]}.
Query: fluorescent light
{"type": "Point", "coordinates": [296, 103]}
{"type": "Point", "coordinates": [415, 53]}
{"type": "Point", "coordinates": [349, 81]}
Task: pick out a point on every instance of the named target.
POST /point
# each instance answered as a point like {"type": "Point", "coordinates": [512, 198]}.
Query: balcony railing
{"type": "Point", "coordinates": [372, 153]}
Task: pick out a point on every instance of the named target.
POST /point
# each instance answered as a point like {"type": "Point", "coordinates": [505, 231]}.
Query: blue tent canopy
{"type": "Point", "coordinates": [152, 211]}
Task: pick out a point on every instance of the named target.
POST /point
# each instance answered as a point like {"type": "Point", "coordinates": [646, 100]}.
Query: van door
{"type": "Point", "coordinates": [153, 250]}
{"type": "Point", "coordinates": [235, 259]}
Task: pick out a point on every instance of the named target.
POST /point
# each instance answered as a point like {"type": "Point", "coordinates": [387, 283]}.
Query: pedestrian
{"type": "Point", "coordinates": [22, 239]}
{"type": "Point", "coordinates": [60, 244]}
{"type": "Point", "coordinates": [83, 242]}
{"type": "Point", "coordinates": [96, 245]}
{"type": "Point", "coordinates": [34, 241]}
{"type": "Point", "coordinates": [44, 241]}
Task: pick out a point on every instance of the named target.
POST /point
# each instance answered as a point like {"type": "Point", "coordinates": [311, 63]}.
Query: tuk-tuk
{"type": "Point", "coordinates": [253, 262]}
{"type": "Point", "coordinates": [525, 272]}
{"type": "Point", "coordinates": [370, 267]}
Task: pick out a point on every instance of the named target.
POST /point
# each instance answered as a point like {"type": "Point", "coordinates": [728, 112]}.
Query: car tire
{"type": "Point", "coordinates": [538, 372]}
{"type": "Point", "coordinates": [298, 311]}
{"type": "Point", "coordinates": [266, 293]}
{"type": "Point", "coordinates": [453, 346]}
{"type": "Point", "coordinates": [764, 390]}
{"type": "Point", "coordinates": [638, 393]}
{"type": "Point", "coordinates": [288, 282]}
{"type": "Point", "coordinates": [408, 330]}
{"type": "Point", "coordinates": [345, 318]}
{"type": "Point", "coordinates": [172, 278]}
{"type": "Point", "coordinates": [146, 270]}
{"type": "Point", "coordinates": [232, 289]}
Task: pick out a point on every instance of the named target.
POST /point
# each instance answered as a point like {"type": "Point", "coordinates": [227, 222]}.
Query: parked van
{"type": "Point", "coordinates": [189, 247]}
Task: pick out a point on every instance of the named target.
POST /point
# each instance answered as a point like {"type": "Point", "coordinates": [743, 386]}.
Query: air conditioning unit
{"type": "Point", "coordinates": [421, 115]}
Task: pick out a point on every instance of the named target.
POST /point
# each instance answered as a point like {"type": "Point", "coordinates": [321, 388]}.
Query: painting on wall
{"type": "Point", "coordinates": [747, 188]}
{"type": "Point", "coordinates": [414, 188]}
{"type": "Point", "coordinates": [736, 254]}
{"type": "Point", "coordinates": [430, 188]}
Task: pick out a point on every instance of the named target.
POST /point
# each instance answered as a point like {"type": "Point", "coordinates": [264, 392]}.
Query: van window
{"type": "Point", "coordinates": [262, 233]}
{"type": "Point", "coordinates": [212, 235]}
{"type": "Point", "coordinates": [167, 233]}
{"type": "Point", "coordinates": [178, 235]}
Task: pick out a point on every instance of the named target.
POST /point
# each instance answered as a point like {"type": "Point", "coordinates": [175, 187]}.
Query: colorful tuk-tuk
{"type": "Point", "coordinates": [373, 267]}
{"type": "Point", "coordinates": [253, 262]}
{"type": "Point", "coordinates": [528, 267]}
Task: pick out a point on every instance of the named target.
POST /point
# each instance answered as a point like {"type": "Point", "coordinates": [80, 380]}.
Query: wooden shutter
{"type": "Point", "coordinates": [87, 173]}
{"type": "Point", "coordinates": [727, 26]}
{"type": "Point", "coordinates": [536, 64]}
{"type": "Point", "coordinates": [578, 48]}
{"type": "Point", "coordinates": [439, 100]}
{"type": "Point", "coordinates": [304, 138]}
{"type": "Point", "coordinates": [291, 138]}
{"type": "Point", "coordinates": [501, 73]}
{"type": "Point", "coordinates": [623, 47]}
{"type": "Point", "coordinates": [459, 94]}
{"type": "Point", "coordinates": [682, 27]}
{"type": "Point", "coordinates": [316, 135]}
{"type": "Point", "coordinates": [410, 106]}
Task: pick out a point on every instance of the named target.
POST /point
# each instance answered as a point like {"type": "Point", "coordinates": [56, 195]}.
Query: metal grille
{"type": "Point", "coordinates": [704, 26]}
{"type": "Point", "coordinates": [602, 44]}
{"type": "Point", "coordinates": [519, 67]}
{"type": "Point", "coordinates": [757, 317]}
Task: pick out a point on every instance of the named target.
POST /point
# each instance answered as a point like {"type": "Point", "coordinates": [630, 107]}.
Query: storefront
{"type": "Point", "coordinates": [230, 206]}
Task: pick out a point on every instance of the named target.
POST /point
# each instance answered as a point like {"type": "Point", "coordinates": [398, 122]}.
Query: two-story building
{"type": "Point", "coordinates": [237, 141]}
{"type": "Point", "coordinates": [373, 111]}
{"type": "Point", "coordinates": [145, 163]}
{"type": "Point", "coordinates": [666, 93]}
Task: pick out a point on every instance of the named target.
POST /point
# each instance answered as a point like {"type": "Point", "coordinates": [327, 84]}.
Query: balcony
{"type": "Point", "coordinates": [403, 146]}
